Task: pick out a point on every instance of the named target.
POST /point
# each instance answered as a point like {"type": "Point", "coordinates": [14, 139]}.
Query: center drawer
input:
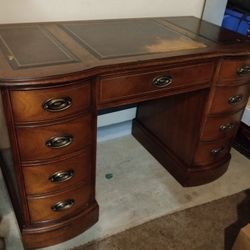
{"type": "Point", "coordinates": [118, 87]}
{"type": "Point", "coordinates": [48, 141]}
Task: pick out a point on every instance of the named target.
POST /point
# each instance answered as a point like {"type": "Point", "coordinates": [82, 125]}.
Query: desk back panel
{"type": "Point", "coordinates": [180, 117]}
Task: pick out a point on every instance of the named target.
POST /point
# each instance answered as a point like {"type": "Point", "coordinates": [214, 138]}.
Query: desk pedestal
{"type": "Point", "coordinates": [163, 128]}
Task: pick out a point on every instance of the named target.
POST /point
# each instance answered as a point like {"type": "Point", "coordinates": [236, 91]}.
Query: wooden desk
{"type": "Point", "coordinates": [189, 78]}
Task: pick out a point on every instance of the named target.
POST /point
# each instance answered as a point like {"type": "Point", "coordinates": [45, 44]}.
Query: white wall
{"type": "Point", "coordinates": [12, 11]}
{"type": "Point", "coordinates": [214, 11]}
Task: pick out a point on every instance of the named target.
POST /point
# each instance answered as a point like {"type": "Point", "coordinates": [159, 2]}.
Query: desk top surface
{"type": "Point", "coordinates": [35, 51]}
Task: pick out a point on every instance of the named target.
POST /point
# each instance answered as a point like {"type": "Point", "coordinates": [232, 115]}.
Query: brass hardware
{"type": "Point", "coordinates": [61, 176]}
{"type": "Point", "coordinates": [243, 70]}
{"type": "Point", "coordinates": [59, 141]}
{"type": "Point", "coordinates": [226, 127]}
{"type": "Point", "coordinates": [217, 151]}
{"type": "Point", "coordinates": [162, 81]}
{"type": "Point", "coordinates": [235, 99]}
{"type": "Point", "coordinates": [57, 104]}
{"type": "Point", "coordinates": [63, 205]}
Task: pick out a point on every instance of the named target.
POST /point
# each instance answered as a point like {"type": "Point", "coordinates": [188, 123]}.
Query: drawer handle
{"type": "Point", "coordinates": [61, 176]}
{"type": "Point", "coordinates": [217, 151]}
{"type": "Point", "coordinates": [59, 141]}
{"type": "Point", "coordinates": [63, 205]}
{"type": "Point", "coordinates": [162, 81]}
{"type": "Point", "coordinates": [57, 104]}
{"type": "Point", "coordinates": [226, 127]}
{"type": "Point", "coordinates": [235, 99]}
{"type": "Point", "coordinates": [243, 70]}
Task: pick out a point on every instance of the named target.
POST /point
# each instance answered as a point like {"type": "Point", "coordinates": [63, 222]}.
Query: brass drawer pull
{"type": "Point", "coordinates": [235, 99]}
{"type": "Point", "coordinates": [226, 127]}
{"type": "Point", "coordinates": [57, 104]}
{"type": "Point", "coordinates": [63, 205]}
{"type": "Point", "coordinates": [243, 70]}
{"type": "Point", "coordinates": [61, 176]}
{"type": "Point", "coordinates": [59, 141]}
{"type": "Point", "coordinates": [217, 151]}
{"type": "Point", "coordinates": [162, 81]}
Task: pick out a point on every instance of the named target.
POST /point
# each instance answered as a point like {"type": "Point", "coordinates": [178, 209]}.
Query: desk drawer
{"type": "Point", "coordinates": [221, 126]}
{"type": "Point", "coordinates": [229, 98]}
{"type": "Point", "coordinates": [210, 152]}
{"type": "Point", "coordinates": [56, 176]}
{"type": "Point", "coordinates": [48, 141]}
{"type": "Point", "coordinates": [57, 206]}
{"type": "Point", "coordinates": [235, 69]}
{"type": "Point", "coordinates": [52, 103]}
{"type": "Point", "coordinates": [113, 88]}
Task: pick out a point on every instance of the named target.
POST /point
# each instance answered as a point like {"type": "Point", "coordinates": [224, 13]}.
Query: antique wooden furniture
{"type": "Point", "coordinates": [189, 78]}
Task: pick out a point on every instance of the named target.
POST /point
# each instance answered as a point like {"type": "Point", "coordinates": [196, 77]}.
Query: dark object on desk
{"type": "Point", "coordinates": [189, 78]}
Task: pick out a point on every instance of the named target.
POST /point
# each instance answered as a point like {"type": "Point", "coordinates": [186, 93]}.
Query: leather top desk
{"type": "Point", "coordinates": [189, 78]}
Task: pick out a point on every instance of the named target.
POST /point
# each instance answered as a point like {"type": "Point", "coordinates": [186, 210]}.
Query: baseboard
{"type": "Point", "coordinates": [114, 131]}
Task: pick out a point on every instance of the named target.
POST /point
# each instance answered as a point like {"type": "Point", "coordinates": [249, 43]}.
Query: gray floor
{"type": "Point", "coordinates": [140, 190]}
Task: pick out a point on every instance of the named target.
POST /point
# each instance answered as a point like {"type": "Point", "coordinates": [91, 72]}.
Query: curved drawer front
{"type": "Point", "coordinates": [112, 88]}
{"type": "Point", "coordinates": [238, 69]}
{"type": "Point", "coordinates": [52, 103]}
{"type": "Point", "coordinates": [221, 126]}
{"type": "Point", "coordinates": [56, 176]}
{"type": "Point", "coordinates": [57, 206]}
{"type": "Point", "coordinates": [210, 152]}
{"type": "Point", "coordinates": [229, 98]}
{"type": "Point", "coordinates": [48, 141]}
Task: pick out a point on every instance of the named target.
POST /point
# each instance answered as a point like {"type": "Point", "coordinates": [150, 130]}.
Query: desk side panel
{"type": "Point", "coordinates": [7, 162]}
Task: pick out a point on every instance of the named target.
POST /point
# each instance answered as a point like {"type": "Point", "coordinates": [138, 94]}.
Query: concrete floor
{"type": "Point", "coordinates": [140, 190]}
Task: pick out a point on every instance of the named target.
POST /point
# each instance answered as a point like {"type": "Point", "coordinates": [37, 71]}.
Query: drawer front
{"type": "Point", "coordinates": [44, 142]}
{"type": "Point", "coordinates": [221, 126]}
{"type": "Point", "coordinates": [132, 85]}
{"type": "Point", "coordinates": [238, 69]}
{"type": "Point", "coordinates": [58, 175]}
{"type": "Point", "coordinates": [46, 104]}
{"type": "Point", "coordinates": [60, 205]}
{"type": "Point", "coordinates": [229, 98]}
{"type": "Point", "coordinates": [210, 152]}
